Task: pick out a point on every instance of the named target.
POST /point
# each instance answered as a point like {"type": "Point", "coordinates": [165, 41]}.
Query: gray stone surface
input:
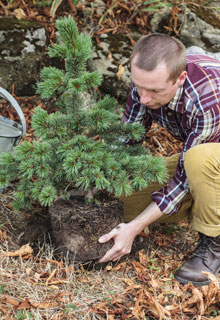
{"type": "Point", "coordinates": [22, 52]}
{"type": "Point", "coordinates": [115, 50]}
{"type": "Point", "coordinates": [193, 31]}
{"type": "Point", "coordinates": [198, 50]}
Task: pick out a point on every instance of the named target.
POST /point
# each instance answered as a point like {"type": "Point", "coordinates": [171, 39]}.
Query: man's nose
{"type": "Point", "coordinates": [145, 97]}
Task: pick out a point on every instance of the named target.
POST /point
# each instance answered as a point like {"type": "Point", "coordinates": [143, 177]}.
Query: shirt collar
{"type": "Point", "coordinates": [174, 103]}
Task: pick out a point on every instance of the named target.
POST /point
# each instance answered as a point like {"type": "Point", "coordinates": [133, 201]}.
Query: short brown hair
{"type": "Point", "coordinates": [155, 48]}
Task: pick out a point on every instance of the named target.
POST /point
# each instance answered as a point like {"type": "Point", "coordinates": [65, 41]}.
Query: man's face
{"type": "Point", "coordinates": [152, 86]}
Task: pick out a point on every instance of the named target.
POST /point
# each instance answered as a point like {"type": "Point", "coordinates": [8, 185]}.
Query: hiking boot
{"type": "Point", "coordinates": [206, 257]}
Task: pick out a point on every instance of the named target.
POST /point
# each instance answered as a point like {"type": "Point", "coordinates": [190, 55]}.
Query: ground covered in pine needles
{"type": "Point", "coordinates": [36, 285]}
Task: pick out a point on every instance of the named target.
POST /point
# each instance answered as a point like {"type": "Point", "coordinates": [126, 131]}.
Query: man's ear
{"type": "Point", "coordinates": [181, 79]}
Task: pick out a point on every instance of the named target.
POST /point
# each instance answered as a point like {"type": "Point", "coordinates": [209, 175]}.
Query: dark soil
{"type": "Point", "coordinates": [77, 226]}
{"type": "Point", "coordinates": [23, 227]}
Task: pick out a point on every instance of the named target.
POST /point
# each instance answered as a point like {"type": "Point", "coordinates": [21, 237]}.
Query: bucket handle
{"type": "Point", "coordinates": [7, 96]}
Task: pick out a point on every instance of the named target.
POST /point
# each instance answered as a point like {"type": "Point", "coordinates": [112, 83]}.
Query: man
{"type": "Point", "coordinates": [182, 94]}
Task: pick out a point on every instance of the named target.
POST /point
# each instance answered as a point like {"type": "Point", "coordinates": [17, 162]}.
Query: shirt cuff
{"type": "Point", "coordinates": [165, 204]}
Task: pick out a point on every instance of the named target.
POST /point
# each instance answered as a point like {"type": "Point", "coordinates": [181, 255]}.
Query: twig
{"type": "Point", "coordinates": [104, 14]}
{"type": "Point", "coordinates": [157, 142]}
{"type": "Point", "coordinates": [72, 7]}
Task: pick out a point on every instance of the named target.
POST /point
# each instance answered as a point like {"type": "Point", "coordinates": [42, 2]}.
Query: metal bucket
{"type": "Point", "coordinates": [11, 132]}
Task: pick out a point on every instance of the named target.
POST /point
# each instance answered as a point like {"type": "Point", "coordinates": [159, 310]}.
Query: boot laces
{"type": "Point", "coordinates": [204, 245]}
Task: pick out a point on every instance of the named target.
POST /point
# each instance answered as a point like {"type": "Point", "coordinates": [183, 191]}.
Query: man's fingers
{"type": "Point", "coordinates": [104, 238]}
{"type": "Point", "coordinates": [108, 236]}
{"type": "Point", "coordinates": [112, 255]}
{"type": "Point", "coordinates": [121, 247]}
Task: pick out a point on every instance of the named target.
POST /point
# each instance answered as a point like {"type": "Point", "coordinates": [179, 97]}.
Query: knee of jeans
{"type": "Point", "coordinates": [203, 159]}
{"type": "Point", "coordinates": [194, 160]}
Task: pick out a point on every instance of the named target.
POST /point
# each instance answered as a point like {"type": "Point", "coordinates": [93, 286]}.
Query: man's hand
{"type": "Point", "coordinates": [123, 236]}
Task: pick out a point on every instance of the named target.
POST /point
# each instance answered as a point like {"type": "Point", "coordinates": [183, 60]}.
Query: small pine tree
{"type": "Point", "coordinates": [81, 145]}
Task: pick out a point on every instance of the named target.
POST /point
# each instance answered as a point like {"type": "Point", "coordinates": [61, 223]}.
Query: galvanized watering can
{"type": "Point", "coordinates": [11, 132]}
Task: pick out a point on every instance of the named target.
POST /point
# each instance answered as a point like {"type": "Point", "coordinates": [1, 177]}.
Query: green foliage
{"type": "Point", "coordinates": [156, 5]}
{"type": "Point", "coordinates": [3, 288]}
{"type": "Point", "coordinates": [70, 305]}
{"type": "Point", "coordinates": [22, 314]}
{"type": "Point", "coordinates": [82, 144]}
{"type": "Point", "coordinates": [43, 3]}
{"type": "Point", "coordinates": [53, 4]}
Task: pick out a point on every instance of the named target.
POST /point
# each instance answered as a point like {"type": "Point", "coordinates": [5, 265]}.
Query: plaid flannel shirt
{"type": "Point", "coordinates": [192, 116]}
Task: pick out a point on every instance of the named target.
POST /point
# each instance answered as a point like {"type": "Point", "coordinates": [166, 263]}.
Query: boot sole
{"type": "Point", "coordinates": [195, 283]}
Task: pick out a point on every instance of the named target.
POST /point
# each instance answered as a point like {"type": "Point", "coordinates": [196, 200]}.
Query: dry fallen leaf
{"type": "Point", "coordinates": [197, 299]}
{"type": "Point", "coordinates": [156, 308]}
{"type": "Point", "coordinates": [26, 304]}
{"type": "Point", "coordinates": [143, 258]}
{"type": "Point", "coordinates": [139, 303]}
{"type": "Point", "coordinates": [53, 273]}
{"type": "Point", "coordinates": [6, 298]}
{"type": "Point", "coordinates": [3, 235]}
{"type": "Point", "coordinates": [109, 55]}
{"type": "Point", "coordinates": [3, 310]}
{"type": "Point", "coordinates": [44, 305]}
{"type": "Point", "coordinates": [24, 250]}
{"type": "Point", "coordinates": [19, 13]}
{"type": "Point", "coordinates": [121, 70]}
{"type": "Point", "coordinates": [212, 277]}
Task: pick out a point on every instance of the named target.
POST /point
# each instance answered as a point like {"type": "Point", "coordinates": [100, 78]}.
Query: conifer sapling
{"type": "Point", "coordinates": [82, 144]}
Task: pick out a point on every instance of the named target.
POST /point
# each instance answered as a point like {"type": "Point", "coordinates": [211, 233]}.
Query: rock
{"type": "Point", "coordinates": [197, 32]}
{"type": "Point", "coordinates": [198, 50]}
{"type": "Point", "coordinates": [159, 20]}
{"type": "Point", "coordinates": [209, 13]}
{"type": "Point", "coordinates": [114, 51]}
{"type": "Point", "coordinates": [193, 30]}
{"type": "Point", "coordinates": [22, 51]}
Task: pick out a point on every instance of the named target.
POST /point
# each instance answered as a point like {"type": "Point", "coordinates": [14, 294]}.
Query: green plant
{"type": "Point", "coordinates": [81, 145]}
{"type": "Point", "coordinates": [22, 314]}
{"type": "Point", "coordinates": [70, 305]}
{"type": "Point", "coordinates": [156, 5]}
{"type": "Point", "coordinates": [43, 3]}
{"type": "Point", "coordinates": [215, 312]}
{"type": "Point", "coordinates": [56, 3]}
{"type": "Point", "coordinates": [3, 288]}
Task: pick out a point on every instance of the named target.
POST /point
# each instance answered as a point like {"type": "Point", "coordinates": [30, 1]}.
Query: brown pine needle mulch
{"type": "Point", "coordinates": [142, 287]}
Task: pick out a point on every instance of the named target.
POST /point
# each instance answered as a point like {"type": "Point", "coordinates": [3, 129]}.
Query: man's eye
{"type": "Point", "coordinates": [156, 91]}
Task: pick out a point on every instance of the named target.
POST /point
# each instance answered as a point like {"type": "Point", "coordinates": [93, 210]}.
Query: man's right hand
{"type": "Point", "coordinates": [123, 237]}
{"type": "Point", "coordinates": [124, 234]}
